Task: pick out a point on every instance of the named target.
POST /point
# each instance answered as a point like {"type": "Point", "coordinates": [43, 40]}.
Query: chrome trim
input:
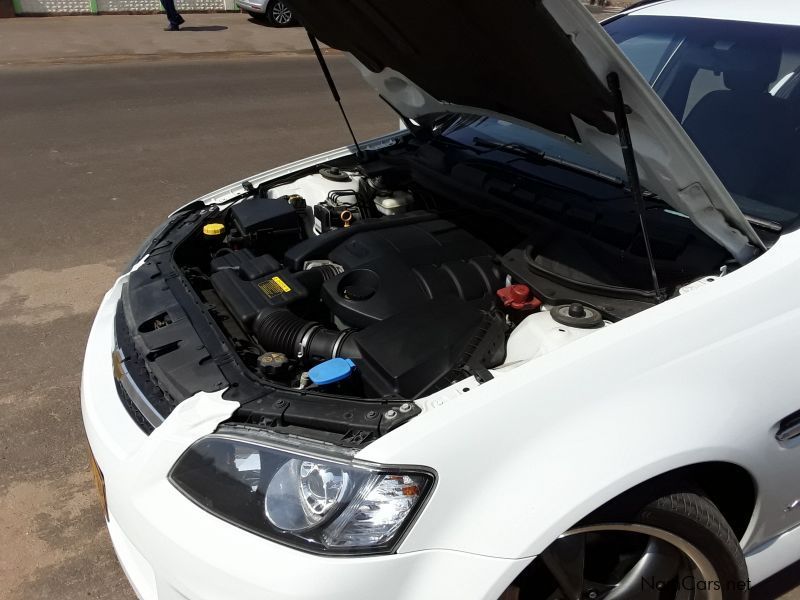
{"type": "Point", "coordinates": [789, 428]}
{"type": "Point", "coordinates": [136, 395]}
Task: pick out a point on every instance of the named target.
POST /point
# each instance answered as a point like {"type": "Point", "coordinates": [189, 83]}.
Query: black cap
{"type": "Point", "coordinates": [577, 310]}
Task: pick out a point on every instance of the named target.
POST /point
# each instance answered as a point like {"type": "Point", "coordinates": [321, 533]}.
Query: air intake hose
{"type": "Point", "coordinates": [279, 330]}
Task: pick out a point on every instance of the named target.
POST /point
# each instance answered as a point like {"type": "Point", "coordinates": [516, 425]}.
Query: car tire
{"type": "Point", "coordinates": [278, 14]}
{"type": "Point", "coordinates": [697, 520]}
{"type": "Point", "coordinates": [682, 534]}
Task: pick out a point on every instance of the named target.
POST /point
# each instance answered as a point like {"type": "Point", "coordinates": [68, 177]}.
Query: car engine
{"type": "Point", "coordinates": [361, 281]}
{"type": "Point", "coordinates": [406, 297]}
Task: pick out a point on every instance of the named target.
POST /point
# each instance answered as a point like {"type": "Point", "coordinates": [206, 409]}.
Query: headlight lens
{"type": "Point", "coordinates": [324, 504]}
{"type": "Point", "coordinates": [303, 492]}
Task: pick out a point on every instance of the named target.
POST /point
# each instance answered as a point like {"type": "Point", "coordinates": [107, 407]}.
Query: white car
{"type": "Point", "coordinates": [538, 344]}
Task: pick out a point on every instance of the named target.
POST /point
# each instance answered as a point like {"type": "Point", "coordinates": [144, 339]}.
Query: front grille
{"type": "Point", "coordinates": [133, 411]}
{"type": "Point", "coordinates": [135, 366]}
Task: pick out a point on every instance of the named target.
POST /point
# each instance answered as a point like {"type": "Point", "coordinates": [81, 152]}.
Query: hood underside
{"type": "Point", "coordinates": [540, 63]}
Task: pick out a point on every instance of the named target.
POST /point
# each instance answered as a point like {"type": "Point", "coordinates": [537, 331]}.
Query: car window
{"type": "Point", "coordinates": [734, 88]}
{"type": "Point", "coordinates": [708, 80]}
{"type": "Point", "coordinates": [705, 82]}
{"type": "Point", "coordinates": [649, 51]}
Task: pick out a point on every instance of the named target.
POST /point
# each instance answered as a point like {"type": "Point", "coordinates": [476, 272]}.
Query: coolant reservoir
{"type": "Point", "coordinates": [537, 335]}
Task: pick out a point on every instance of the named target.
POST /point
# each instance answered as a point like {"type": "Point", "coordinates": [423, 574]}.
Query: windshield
{"type": "Point", "coordinates": [735, 87]}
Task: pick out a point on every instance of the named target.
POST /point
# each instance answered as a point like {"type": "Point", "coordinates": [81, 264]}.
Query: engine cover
{"type": "Point", "coordinates": [391, 270]}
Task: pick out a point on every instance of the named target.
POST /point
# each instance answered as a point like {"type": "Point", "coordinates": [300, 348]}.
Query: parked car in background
{"type": "Point", "coordinates": [540, 344]}
{"type": "Point", "coordinates": [276, 12]}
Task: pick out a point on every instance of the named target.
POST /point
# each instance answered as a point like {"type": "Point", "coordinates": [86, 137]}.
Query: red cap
{"type": "Point", "coordinates": [518, 297]}
{"type": "Point", "coordinates": [519, 292]}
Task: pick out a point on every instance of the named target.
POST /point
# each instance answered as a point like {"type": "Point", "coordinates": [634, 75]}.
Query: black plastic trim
{"type": "Point", "coordinates": [132, 410]}
{"type": "Point", "coordinates": [355, 422]}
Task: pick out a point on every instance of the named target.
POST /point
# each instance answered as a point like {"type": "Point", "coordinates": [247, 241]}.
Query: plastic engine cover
{"type": "Point", "coordinates": [415, 351]}
{"type": "Point", "coordinates": [395, 269]}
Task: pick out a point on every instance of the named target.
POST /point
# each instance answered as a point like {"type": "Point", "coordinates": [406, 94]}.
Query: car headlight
{"type": "Point", "coordinates": [321, 503]}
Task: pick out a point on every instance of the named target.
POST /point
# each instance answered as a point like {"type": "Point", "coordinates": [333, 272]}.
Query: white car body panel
{"type": "Point", "coordinates": [704, 377]}
{"type": "Point", "coordinates": [784, 12]}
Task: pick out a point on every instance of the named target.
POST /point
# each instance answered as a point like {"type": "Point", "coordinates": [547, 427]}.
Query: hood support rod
{"type": "Point", "coordinates": [626, 144]}
{"type": "Point", "coordinates": [334, 91]}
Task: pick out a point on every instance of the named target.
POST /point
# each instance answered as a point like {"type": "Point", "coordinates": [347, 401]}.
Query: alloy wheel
{"type": "Point", "coordinates": [619, 561]}
{"type": "Point", "coordinates": [281, 14]}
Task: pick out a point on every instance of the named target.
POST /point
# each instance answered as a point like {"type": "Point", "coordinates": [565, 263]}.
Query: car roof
{"type": "Point", "coordinates": [784, 12]}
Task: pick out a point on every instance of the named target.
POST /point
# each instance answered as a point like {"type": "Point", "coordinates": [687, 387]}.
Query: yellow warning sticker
{"type": "Point", "coordinates": [281, 284]}
{"type": "Point", "coordinates": [274, 287]}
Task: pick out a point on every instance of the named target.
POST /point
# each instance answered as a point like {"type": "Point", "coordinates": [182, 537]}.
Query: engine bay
{"type": "Point", "coordinates": [399, 275]}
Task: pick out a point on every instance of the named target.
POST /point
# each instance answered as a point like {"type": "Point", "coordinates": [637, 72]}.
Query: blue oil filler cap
{"type": "Point", "coordinates": [331, 371]}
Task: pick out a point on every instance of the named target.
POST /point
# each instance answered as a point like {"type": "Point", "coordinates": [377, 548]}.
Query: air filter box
{"type": "Point", "coordinates": [245, 299]}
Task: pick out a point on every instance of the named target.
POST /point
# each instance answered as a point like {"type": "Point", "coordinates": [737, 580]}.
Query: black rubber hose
{"type": "Point", "coordinates": [279, 330]}
{"type": "Point", "coordinates": [321, 245]}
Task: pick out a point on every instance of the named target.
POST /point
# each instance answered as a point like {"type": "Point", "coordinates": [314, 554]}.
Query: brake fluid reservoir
{"type": "Point", "coordinates": [395, 203]}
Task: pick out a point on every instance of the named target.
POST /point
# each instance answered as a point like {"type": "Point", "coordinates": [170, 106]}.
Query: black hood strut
{"type": "Point", "coordinates": [635, 185]}
{"type": "Point", "coordinates": [334, 91]}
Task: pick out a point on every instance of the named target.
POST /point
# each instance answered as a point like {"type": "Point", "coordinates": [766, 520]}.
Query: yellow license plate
{"type": "Point", "coordinates": [99, 482]}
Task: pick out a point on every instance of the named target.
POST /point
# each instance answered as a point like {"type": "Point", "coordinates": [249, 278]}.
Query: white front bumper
{"type": "Point", "coordinates": [171, 549]}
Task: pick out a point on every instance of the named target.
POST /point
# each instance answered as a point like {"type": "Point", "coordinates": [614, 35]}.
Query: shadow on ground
{"type": "Point", "coordinates": [775, 587]}
{"type": "Point", "coordinates": [205, 28]}
{"type": "Point", "coordinates": [264, 23]}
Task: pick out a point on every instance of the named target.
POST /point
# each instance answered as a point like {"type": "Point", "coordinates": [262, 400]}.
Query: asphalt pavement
{"type": "Point", "coordinates": [92, 159]}
{"type": "Point", "coordinates": [94, 154]}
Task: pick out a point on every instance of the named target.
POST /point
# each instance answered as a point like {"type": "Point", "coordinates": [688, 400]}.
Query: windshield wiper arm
{"type": "Point", "coordinates": [540, 156]}
{"type": "Point", "coordinates": [764, 223]}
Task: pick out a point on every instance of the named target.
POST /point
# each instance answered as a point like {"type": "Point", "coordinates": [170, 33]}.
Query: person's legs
{"type": "Point", "coordinates": [175, 19]}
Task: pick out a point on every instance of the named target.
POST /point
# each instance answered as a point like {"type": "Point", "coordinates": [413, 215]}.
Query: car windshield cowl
{"type": "Point", "coordinates": [461, 131]}
{"type": "Point", "coordinates": [492, 138]}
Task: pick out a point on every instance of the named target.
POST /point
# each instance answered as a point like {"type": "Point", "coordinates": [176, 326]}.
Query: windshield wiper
{"type": "Point", "coordinates": [540, 156]}
{"type": "Point", "coordinates": [764, 223]}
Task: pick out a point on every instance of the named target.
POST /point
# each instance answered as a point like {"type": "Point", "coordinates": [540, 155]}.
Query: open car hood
{"type": "Point", "coordinates": [540, 63]}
